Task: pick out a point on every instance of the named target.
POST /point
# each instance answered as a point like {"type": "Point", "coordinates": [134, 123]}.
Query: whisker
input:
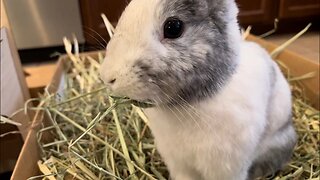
{"type": "Point", "coordinates": [184, 106]}
{"type": "Point", "coordinates": [98, 41]}
{"type": "Point", "coordinates": [185, 110]}
{"type": "Point", "coordinates": [195, 111]}
{"type": "Point", "coordinates": [192, 108]}
{"type": "Point", "coordinates": [173, 112]}
{"type": "Point", "coordinates": [92, 48]}
{"type": "Point", "coordinates": [94, 31]}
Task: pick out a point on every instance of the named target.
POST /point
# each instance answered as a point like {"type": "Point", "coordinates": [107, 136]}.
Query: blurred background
{"type": "Point", "coordinates": [38, 26]}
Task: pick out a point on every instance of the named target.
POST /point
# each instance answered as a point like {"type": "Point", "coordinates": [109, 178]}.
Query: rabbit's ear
{"type": "Point", "coordinates": [223, 8]}
{"type": "Point", "coordinates": [198, 9]}
{"type": "Point", "coordinates": [187, 10]}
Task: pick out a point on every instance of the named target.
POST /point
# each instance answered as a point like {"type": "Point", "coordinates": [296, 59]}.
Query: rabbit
{"type": "Point", "coordinates": [222, 106]}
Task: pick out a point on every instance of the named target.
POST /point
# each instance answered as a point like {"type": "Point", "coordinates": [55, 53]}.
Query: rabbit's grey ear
{"type": "Point", "coordinates": [223, 7]}
{"type": "Point", "coordinates": [186, 8]}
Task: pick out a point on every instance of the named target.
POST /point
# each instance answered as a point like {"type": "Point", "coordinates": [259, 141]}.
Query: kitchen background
{"type": "Point", "coordinates": [38, 26]}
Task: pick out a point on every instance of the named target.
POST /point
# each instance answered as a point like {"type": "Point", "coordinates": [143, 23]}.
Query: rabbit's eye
{"type": "Point", "coordinates": [173, 28]}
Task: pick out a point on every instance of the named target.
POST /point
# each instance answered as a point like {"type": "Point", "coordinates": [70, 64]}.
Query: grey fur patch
{"type": "Point", "coordinates": [200, 62]}
{"type": "Point", "coordinates": [273, 80]}
{"type": "Point", "coordinates": [275, 159]}
{"type": "Point", "coordinates": [273, 76]}
{"type": "Point", "coordinates": [272, 162]}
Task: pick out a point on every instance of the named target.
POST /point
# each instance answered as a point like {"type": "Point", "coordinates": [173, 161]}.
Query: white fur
{"type": "Point", "coordinates": [216, 139]}
{"type": "Point", "coordinates": [138, 41]}
{"type": "Point", "coordinates": [223, 143]}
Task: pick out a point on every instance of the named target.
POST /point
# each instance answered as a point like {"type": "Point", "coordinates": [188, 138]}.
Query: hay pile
{"type": "Point", "coordinates": [93, 136]}
{"type": "Point", "coordinates": [305, 162]}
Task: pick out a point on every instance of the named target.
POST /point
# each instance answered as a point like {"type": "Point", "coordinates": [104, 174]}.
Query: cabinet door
{"type": "Point", "coordinates": [91, 17]}
{"type": "Point", "coordinates": [257, 11]}
{"type": "Point", "coordinates": [299, 8]}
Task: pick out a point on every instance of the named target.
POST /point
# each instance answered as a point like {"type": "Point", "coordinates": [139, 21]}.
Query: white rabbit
{"type": "Point", "coordinates": [223, 108]}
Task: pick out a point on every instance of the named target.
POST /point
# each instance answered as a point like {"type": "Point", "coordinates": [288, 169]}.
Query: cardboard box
{"type": "Point", "coordinates": [27, 163]}
{"type": "Point", "coordinates": [14, 93]}
{"type": "Point", "coordinates": [37, 80]}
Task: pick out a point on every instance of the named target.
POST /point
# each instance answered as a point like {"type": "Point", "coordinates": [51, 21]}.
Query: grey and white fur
{"type": "Point", "coordinates": [223, 107]}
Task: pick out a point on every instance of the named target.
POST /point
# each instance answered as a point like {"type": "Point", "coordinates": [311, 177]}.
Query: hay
{"type": "Point", "coordinates": [94, 136]}
{"type": "Point", "coordinates": [5, 120]}
{"type": "Point", "coordinates": [84, 143]}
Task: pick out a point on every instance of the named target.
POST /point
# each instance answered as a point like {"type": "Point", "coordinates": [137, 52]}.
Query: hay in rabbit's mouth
{"type": "Point", "coordinates": [95, 136]}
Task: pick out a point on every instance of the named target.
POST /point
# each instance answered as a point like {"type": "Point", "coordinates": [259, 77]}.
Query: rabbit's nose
{"type": "Point", "coordinates": [108, 78]}
{"type": "Point", "coordinates": [112, 81]}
